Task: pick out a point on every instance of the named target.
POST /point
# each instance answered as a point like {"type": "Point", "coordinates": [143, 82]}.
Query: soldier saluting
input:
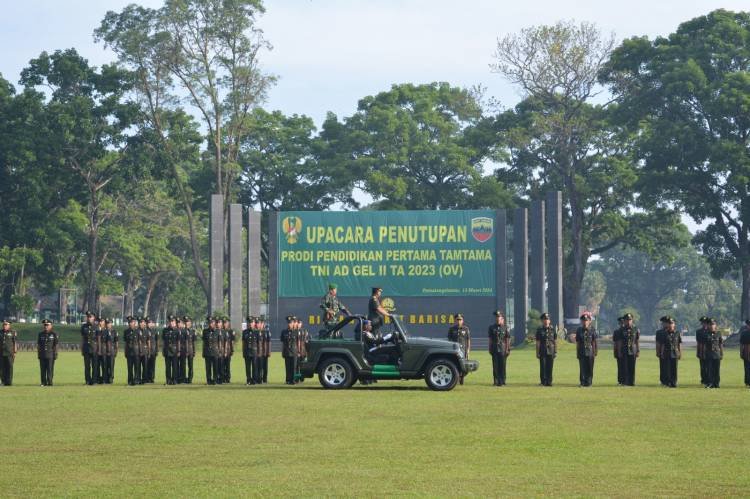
{"type": "Point", "coordinates": [331, 307]}
{"type": "Point", "coordinates": [499, 346]}
{"type": "Point", "coordinates": [46, 347]}
{"type": "Point", "coordinates": [459, 333]}
{"type": "Point", "coordinates": [586, 350]}
{"type": "Point", "coordinates": [88, 348]}
{"type": "Point", "coordinates": [546, 349]}
{"type": "Point", "coordinates": [8, 349]}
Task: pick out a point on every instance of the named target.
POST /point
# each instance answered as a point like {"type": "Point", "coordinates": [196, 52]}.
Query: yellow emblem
{"type": "Point", "coordinates": [292, 227]}
{"type": "Point", "coordinates": [388, 304]}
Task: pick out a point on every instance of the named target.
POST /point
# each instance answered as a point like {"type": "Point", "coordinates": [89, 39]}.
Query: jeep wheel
{"type": "Point", "coordinates": [336, 373]}
{"type": "Point", "coordinates": [441, 375]}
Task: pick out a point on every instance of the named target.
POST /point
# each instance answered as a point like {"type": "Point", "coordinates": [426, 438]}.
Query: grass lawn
{"type": "Point", "coordinates": [394, 438]}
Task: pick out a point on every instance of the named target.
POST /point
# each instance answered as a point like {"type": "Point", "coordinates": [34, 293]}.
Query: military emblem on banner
{"type": "Point", "coordinates": [292, 227]}
{"type": "Point", "coordinates": [481, 228]}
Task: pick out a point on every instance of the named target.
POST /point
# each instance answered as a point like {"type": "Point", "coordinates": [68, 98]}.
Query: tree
{"type": "Point", "coordinates": [410, 147]}
{"type": "Point", "coordinates": [86, 122]}
{"type": "Point", "coordinates": [557, 139]}
{"type": "Point", "coordinates": [688, 96]}
{"type": "Point", "coordinates": [594, 290]}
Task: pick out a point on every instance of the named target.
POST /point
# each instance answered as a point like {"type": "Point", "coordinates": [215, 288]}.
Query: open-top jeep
{"type": "Point", "coordinates": [342, 358]}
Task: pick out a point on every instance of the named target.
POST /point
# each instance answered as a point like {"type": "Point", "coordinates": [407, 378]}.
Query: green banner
{"type": "Point", "coordinates": [407, 253]}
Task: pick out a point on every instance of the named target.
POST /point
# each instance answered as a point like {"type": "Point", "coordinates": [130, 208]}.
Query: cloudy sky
{"type": "Point", "coordinates": [330, 53]}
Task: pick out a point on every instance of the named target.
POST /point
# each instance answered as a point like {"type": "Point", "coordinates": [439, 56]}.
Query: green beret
{"type": "Point", "coordinates": [332, 286]}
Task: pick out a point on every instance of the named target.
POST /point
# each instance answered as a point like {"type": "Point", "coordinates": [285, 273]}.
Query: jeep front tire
{"type": "Point", "coordinates": [336, 373]}
{"type": "Point", "coordinates": [441, 375]}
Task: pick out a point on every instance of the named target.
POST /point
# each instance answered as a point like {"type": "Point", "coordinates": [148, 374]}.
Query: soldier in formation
{"type": "Point", "coordinates": [8, 349]}
{"type": "Point", "coordinates": [108, 345]}
{"type": "Point", "coordinates": [669, 351]}
{"type": "Point", "coordinates": [626, 341]}
{"type": "Point", "coordinates": [289, 349]}
{"type": "Point", "coordinates": [745, 350]}
{"type": "Point", "coordinates": [170, 340]}
{"type": "Point", "coordinates": [248, 352]}
{"type": "Point", "coordinates": [189, 348]}
{"type": "Point", "coordinates": [151, 340]}
{"type": "Point", "coordinates": [700, 349]}
{"type": "Point", "coordinates": [229, 339]}
{"type": "Point", "coordinates": [546, 349]}
{"type": "Point", "coordinates": [460, 333]}
{"type": "Point", "coordinates": [132, 337]}
{"type": "Point", "coordinates": [499, 346]}
{"type": "Point", "coordinates": [586, 350]}
{"type": "Point", "coordinates": [88, 349]}
{"type": "Point", "coordinates": [211, 351]}
{"type": "Point", "coordinates": [47, 348]}
{"type": "Point", "coordinates": [713, 353]}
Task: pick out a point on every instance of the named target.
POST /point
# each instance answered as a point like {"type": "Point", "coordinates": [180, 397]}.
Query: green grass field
{"type": "Point", "coordinates": [395, 438]}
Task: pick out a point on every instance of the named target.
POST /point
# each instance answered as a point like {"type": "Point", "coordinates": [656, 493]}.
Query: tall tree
{"type": "Point", "coordinates": [411, 148]}
{"type": "Point", "coordinates": [688, 96]}
{"type": "Point", "coordinates": [86, 122]}
{"type": "Point", "coordinates": [558, 139]}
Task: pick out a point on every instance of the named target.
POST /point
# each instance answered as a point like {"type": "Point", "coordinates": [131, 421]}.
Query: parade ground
{"type": "Point", "coordinates": [392, 438]}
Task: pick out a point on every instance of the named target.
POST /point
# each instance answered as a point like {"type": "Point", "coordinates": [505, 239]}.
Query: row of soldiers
{"type": "Point", "coordinates": [256, 349]}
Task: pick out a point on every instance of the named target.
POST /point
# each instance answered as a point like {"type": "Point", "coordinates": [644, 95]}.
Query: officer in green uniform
{"type": "Point", "coordinates": [331, 307]}
{"type": "Point", "coordinates": [131, 337]}
{"type": "Point", "coordinates": [669, 350]}
{"type": "Point", "coordinates": [47, 345]}
{"type": "Point", "coordinates": [459, 333]}
{"type": "Point", "coordinates": [660, 337]}
{"type": "Point", "coordinates": [247, 350]}
{"type": "Point", "coordinates": [546, 349]}
{"type": "Point", "coordinates": [499, 346]}
{"type": "Point", "coordinates": [259, 350]}
{"type": "Point", "coordinates": [616, 351]}
{"type": "Point", "coordinates": [151, 337]}
{"type": "Point", "coordinates": [211, 351]}
{"type": "Point", "coordinates": [230, 338]}
{"type": "Point", "coordinates": [88, 348]}
{"type": "Point", "coordinates": [714, 352]}
{"type": "Point", "coordinates": [375, 311]}
{"type": "Point", "coordinates": [586, 350]}
{"type": "Point", "coordinates": [190, 348]}
{"type": "Point", "coordinates": [170, 340]}
{"type": "Point", "coordinates": [745, 350]}
{"type": "Point", "coordinates": [701, 335]}
{"type": "Point", "coordinates": [289, 349]}
{"type": "Point", "coordinates": [303, 342]}
{"type": "Point", "coordinates": [108, 346]}
{"type": "Point", "coordinates": [145, 348]}
{"type": "Point", "coordinates": [8, 349]}
{"type": "Point", "coordinates": [627, 349]}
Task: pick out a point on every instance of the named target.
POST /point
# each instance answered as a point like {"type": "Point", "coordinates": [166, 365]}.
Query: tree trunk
{"type": "Point", "coordinates": [152, 282]}
{"type": "Point", "coordinates": [745, 297]}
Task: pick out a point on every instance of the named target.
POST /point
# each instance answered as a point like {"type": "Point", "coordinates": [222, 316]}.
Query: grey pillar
{"type": "Point", "coordinates": [536, 233]}
{"type": "Point", "coordinates": [555, 257]}
{"type": "Point", "coordinates": [253, 262]}
{"type": "Point", "coordinates": [235, 265]}
{"type": "Point", "coordinates": [216, 256]}
{"type": "Point", "coordinates": [501, 261]}
{"type": "Point", "coordinates": [273, 270]}
{"type": "Point", "coordinates": [520, 274]}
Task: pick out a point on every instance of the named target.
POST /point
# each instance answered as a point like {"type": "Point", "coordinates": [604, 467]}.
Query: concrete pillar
{"type": "Point", "coordinates": [501, 261]}
{"type": "Point", "coordinates": [555, 258]}
{"type": "Point", "coordinates": [253, 262]}
{"type": "Point", "coordinates": [520, 274]}
{"type": "Point", "coordinates": [273, 270]}
{"type": "Point", "coordinates": [216, 253]}
{"type": "Point", "coordinates": [235, 265]}
{"type": "Point", "coordinates": [536, 232]}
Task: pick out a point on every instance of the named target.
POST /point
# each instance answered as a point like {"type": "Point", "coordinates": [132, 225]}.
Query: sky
{"type": "Point", "coordinates": [328, 54]}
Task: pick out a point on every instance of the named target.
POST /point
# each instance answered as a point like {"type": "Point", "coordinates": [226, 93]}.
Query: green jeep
{"type": "Point", "coordinates": [342, 358]}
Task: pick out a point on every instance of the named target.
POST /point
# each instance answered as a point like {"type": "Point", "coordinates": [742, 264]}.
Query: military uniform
{"type": "Point", "coordinates": [499, 346]}
{"type": "Point", "coordinates": [701, 336]}
{"type": "Point", "coordinates": [89, 350]}
{"type": "Point", "coordinates": [190, 346]}
{"type": "Point", "coordinates": [459, 334]}
{"type": "Point", "coordinates": [247, 350]}
{"type": "Point", "coordinates": [132, 339]}
{"type": "Point", "coordinates": [182, 340]}
{"type": "Point", "coordinates": [47, 346]}
{"type": "Point", "coordinates": [108, 346]}
{"type": "Point", "coordinates": [266, 334]}
{"type": "Point", "coordinates": [331, 307]}
{"type": "Point", "coordinates": [211, 353]}
{"type": "Point", "coordinates": [257, 344]}
{"type": "Point", "coordinates": [373, 315]}
{"type": "Point", "coordinates": [669, 351]}
{"type": "Point", "coordinates": [152, 339]}
{"type": "Point", "coordinates": [714, 352]}
{"type": "Point", "coordinates": [303, 341]}
{"type": "Point", "coordinates": [289, 350]}
{"type": "Point", "coordinates": [546, 351]}
{"type": "Point", "coordinates": [145, 350]}
{"type": "Point", "coordinates": [8, 349]}
{"type": "Point", "coordinates": [745, 350]}
{"type": "Point", "coordinates": [627, 349]}
{"type": "Point", "coordinates": [230, 338]}
{"type": "Point", "coordinates": [586, 350]}
{"type": "Point", "coordinates": [170, 339]}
